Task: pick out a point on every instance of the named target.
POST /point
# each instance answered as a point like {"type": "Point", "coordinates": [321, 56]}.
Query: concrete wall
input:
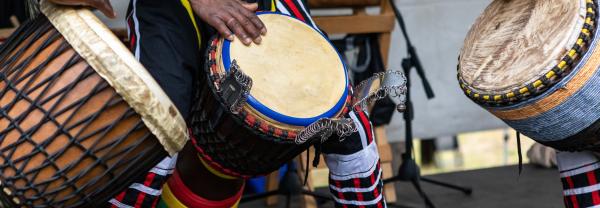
{"type": "Point", "coordinates": [437, 29]}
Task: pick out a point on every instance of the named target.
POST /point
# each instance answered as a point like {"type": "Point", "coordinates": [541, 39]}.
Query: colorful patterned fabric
{"type": "Point", "coordinates": [146, 192]}
{"type": "Point", "coordinates": [580, 177]}
{"type": "Point", "coordinates": [355, 176]}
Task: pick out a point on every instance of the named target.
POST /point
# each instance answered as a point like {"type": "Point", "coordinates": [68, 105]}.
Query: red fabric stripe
{"type": "Point", "coordinates": [340, 195]}
{"type": "Point", "coordinates": [140, 199]}
{"type": "Point", "coordinates": [591, 176]}
{"type": "Point", "coordinates": [119, 197]}
{"type": "Point", "coordinates": [359, 195]}
{"type": "Point", "coordinates": [367, 125]}
{"type": "Point", "coordinates": [375, 191]}
{"type": "Point", "coordinates": [132, 38]}
{"type": "Point", "coordinates": [573, 198]}
{"type": "Point", "coordinates": [149, 179]}
{"type": "Point", "coordinates": [147, 182]}
{"type": "Point", "coordinates": [295, 10]}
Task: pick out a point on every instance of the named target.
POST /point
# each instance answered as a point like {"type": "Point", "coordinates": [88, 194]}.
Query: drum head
{"type": "Point", "coordinates": [298, 77]}
{"type": "Point", "coordinates": [518, 48]}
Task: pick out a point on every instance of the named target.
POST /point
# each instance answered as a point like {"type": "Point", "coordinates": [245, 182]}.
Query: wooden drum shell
{"type": "Point", "coordinates": [229, 145]}
{"type": "Point", "coordinates": [68, 138]}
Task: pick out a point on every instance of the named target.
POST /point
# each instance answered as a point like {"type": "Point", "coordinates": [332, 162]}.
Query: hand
{"type": "Point", "coordinates": [231, 15]}
{"type": "Point", "coordinates": [103, 5]}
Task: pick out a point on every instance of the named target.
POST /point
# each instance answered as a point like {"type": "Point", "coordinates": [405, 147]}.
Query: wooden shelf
{"type": "Point", "coordinates": [355, 24]}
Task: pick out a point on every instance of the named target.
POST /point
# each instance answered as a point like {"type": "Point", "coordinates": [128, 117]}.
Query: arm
{"type": "Point", "coordinates": [231, 17]}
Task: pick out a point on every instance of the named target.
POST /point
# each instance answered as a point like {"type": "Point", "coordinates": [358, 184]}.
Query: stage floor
{"type": "Point", "coordinates": [493, 188]}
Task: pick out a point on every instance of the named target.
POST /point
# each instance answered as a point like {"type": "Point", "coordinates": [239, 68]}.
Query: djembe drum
{"type": "Point", "coordinates": [80, 118]}
{"type": "Point", "coordinates": [261, 105]}
{"type": "Point", "coordinates": [534, 64]}
{"type": "Point", "coordinates": [294, 77]}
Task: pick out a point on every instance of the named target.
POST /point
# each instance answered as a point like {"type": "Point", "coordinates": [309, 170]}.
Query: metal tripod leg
{"type": "Point", "coordinates": [428, 202]}
{"type": "Point", "coordinates": [465, 190]}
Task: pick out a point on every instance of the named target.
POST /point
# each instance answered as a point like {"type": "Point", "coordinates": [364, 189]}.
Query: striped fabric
{"type": "Point", "coordinates": [355, 176]}
{"type": "Point", "coordinates": [581, 187]}
{"type": "Point", "coordinates": [580, 177]}
{"type": "Point", "coordinates": [146, 193]}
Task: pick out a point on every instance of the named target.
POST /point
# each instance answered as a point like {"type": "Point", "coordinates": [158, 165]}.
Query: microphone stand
{"type": "Point", "coordinates": [409, 170]}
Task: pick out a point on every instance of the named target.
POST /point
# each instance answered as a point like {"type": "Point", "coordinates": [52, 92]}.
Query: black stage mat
{"type": "Point", "coordinates": [500, 187]}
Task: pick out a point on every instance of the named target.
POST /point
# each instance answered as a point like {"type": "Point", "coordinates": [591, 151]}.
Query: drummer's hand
{"type": "Point", "coordinates": [103, 5]}
{"type": "Point", "coordinates": [231, 15]}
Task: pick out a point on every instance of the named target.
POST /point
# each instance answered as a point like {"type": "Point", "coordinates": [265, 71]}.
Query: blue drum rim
{"type": "Point", "coordinates": [261, 108]}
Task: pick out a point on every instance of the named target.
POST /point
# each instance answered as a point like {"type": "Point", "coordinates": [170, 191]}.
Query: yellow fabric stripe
{"type": "Point", "coordinates": [188, 7]}
{"type": "Point", "coordinates": [273, 7]}
{"type": "Point", "coordinates": [170, 199]}
{"type": "Point", "coordinates": [215, 172]}
{"type": "Point", "coordinates": [237, 203]}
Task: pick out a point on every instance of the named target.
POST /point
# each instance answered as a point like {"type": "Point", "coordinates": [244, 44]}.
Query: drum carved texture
{"type": "Point", "coordinates": [517, 41]}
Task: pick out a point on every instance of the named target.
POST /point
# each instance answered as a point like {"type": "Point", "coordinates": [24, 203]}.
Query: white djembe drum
{"type": "Point", "coordinates": [534, 64]}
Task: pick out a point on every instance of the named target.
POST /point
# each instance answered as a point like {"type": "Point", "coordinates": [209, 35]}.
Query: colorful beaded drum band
{"type": "Point", "coordinates": [177, 195]}
{"type": "Point", "coordinates": [561, 108]}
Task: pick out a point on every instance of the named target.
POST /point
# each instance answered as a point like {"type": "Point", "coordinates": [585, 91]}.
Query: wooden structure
{"type": "Point", "coordinates": [358, 22]}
